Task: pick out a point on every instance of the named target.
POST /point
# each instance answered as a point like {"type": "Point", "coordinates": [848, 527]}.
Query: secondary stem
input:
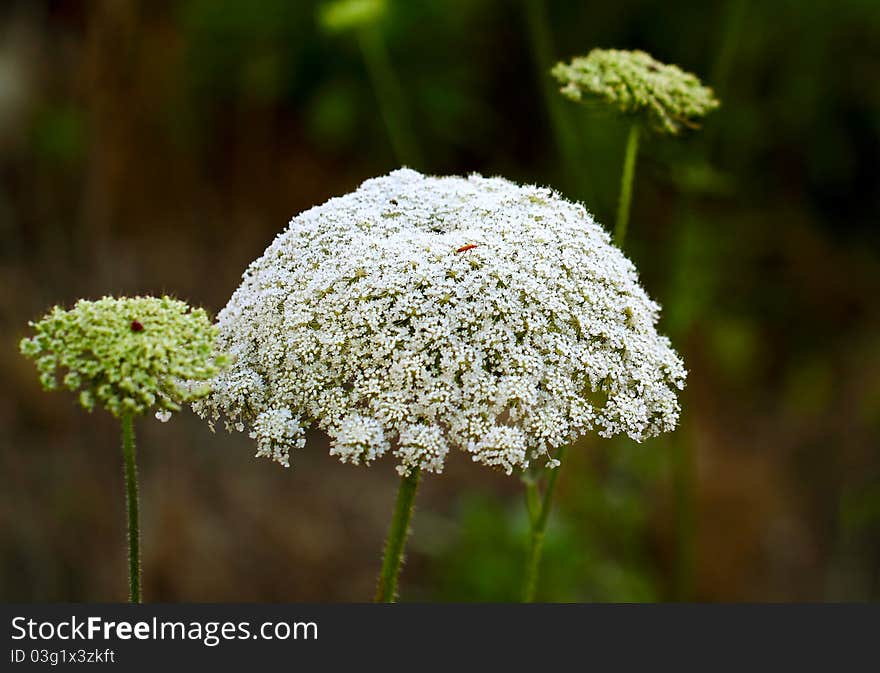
{"type": "Point", "coordinates": [389, 93]}
{"type": "Point", "coordinates": [564, 132]}
{"type": "Point", "coordinates": [131, 503]}
{"type": "Point", "coordinates": [386, 590]}
{"type": "Point", "coordinates": [626, 184]}
{"type": "Point", "coordinates": [538, 521]}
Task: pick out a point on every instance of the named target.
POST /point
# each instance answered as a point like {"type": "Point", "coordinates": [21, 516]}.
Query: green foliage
{"type": "Point", "coordinates": [592, 550]}
{"type": "Point", "coordinates": [667, 98]}
{"type": "Point", "coordinates": [332, 114]}
{"type": "Point", "coordinates": [127, 354]}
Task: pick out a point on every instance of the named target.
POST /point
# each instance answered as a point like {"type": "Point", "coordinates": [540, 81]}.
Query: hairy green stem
{"type": "Point", "coordinates": [389, 93]}
{"type": "Point", "coordinates": [131, 505]}
{"type": "Point", "coordinates": [626, 184]}
{"type": "Point", "coordinates": [386, 590]}
{"type": "Point", "coordinates": [538, 516]}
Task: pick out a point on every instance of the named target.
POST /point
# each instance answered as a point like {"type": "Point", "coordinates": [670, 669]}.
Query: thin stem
{"type": "Point", "coordinates": [386, 590]}
{"type": "Point", "coordinates": [131, 503]}
{"type": "Point", "coordinates": [539, 525]}
{"type": "Point", "coordinates": [389, 93]}
{"type": "Point", "coordinates": [533, 500]}
{"type": "Point", "coordinates": [565, 134]}
{"type": "Point", "coordinates": [734, 21]}
{"type": "Point", "coordinates": [539, 521]}
{"type": "Point", "coordinates": [626, 184]}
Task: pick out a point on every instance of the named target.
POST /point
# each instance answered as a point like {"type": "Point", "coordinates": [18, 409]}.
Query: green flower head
{"type": "Point", "coordinates": [667, 98]}
{"type": "Point", "coordinates": [128, 354]}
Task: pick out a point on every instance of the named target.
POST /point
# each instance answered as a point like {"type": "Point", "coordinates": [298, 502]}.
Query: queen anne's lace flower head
{"type": "Point", "coordinates": [128, 354]}
{"type": "Point", "coordinates": [419, 314]}
{"type": "Point", "coordinates": [668, 98]}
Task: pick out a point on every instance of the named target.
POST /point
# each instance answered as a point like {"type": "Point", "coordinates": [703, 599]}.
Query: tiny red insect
{"type": "Point", "coordinates": [465, 248]}
{"type": "Point", "coordinates": [136, 326]}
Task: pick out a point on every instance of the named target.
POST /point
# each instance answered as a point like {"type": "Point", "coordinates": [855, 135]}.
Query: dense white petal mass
{"type": "Point", "coordinates": [419, 314]}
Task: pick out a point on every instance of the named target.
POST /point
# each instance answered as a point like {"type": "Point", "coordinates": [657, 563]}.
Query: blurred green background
{"type": "Point", "coordinates": [150, 147]}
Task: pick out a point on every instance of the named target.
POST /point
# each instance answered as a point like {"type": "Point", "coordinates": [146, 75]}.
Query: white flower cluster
{"type": "Point", "coordinates": [277, 431]}
{"type": "Point", "coordinates": [425, 313]}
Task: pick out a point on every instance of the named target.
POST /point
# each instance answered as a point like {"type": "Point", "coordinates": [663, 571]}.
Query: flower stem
{"type": "Point", "coordinates": [390, 96]}
{"type": "Point", "coordinates": [386, 590]}
{"type": "Point", "coordinates": [626, 184]}
{"type": "Point", "coordinates": [538, 519]}
{"type": "Point", "coordinates": [131, 502]}
{"type": "Point", "coordinates": [565, 134]}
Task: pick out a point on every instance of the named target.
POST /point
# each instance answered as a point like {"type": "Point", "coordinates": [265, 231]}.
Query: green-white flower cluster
{"type": "Point", "coordinates": [667, 98]}
{"type": "Point", "coordinates": [127, 354]}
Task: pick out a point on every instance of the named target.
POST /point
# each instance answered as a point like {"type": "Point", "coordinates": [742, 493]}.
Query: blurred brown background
{"type": "Point", "coordinates": [150, 147]}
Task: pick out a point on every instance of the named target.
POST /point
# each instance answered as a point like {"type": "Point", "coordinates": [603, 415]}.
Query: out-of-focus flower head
{"type": "Point", "coordinates": [664, 96]}
{"type": "Point", "coordinates": [419, 314]}
{"type": "Point", "coordinates": [127, 354]}
{"type": "Point", "coordinates": [340, 16]}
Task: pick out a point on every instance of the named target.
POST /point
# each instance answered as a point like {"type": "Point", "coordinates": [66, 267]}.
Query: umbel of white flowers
{"type": "Point", "coordinates": [419, 313]}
